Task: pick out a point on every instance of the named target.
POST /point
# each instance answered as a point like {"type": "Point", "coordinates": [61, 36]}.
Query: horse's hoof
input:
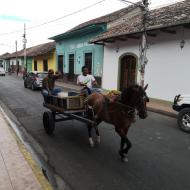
{"type": "Point", "coordinates": [124, 159]}
{"type": "Point", "coordinates": [98, 139]}
{"type": "Point", "coordinates": [91, 142]}
{"type": "Point", "coordinates": [121, 153]}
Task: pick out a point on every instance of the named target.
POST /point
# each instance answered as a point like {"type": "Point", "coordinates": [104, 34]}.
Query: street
{"type": "Point", "coordinates": [159, 158]}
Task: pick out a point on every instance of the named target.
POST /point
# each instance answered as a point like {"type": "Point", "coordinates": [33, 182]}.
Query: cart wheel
{"type": "Point", "coordinates": [48, 121]}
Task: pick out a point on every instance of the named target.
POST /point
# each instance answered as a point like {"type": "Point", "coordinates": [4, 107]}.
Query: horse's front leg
{"type": "Point", "coordinates": [123, 151]}
{"type": "Point", "coordinates": [124, 141]}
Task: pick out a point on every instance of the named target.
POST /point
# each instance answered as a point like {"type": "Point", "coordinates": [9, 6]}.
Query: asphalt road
{"type": "Point", "coordinates": [159, 158]}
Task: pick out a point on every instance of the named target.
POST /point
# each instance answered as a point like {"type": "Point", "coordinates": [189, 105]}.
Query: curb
{"type": "Point", "coordinates": [27, 155]}
{"type": "Point", "coordinates": [163, 112]}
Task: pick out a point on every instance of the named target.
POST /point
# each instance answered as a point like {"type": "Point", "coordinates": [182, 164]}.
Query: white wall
{"type": "Point", "coordinates": [13, 61]}
{"type": "Point", "coordinates": [111, 60]}
{"type": "Point", "coordinates": [167, 71]}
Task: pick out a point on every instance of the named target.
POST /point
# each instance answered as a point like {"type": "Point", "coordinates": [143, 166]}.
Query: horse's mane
{"type": "Point", "coordinates": [128, 93]}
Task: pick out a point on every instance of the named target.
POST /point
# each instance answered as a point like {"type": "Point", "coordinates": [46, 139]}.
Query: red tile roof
{"type": "Point", "coordinates": [104, 19]}
{"type": "Point", "coordinates": [3, 56]}
{"type": "Point", "coordinates": [34, 51]}
{"type": "Point", "coordinates": [172, 15]}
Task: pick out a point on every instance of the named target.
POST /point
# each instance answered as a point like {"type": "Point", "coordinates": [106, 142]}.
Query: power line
{"type": "Point", "coordinates": [2, 44]}
{"type": "Point", "coordinates": [54, 20]}
{"type": "Point", "coordinates": [130, 2]}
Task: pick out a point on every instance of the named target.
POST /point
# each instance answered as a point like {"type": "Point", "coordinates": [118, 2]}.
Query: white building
{"type": "Point", "coordinates": [3, 62]}
{"type": "Point", "coordinates": [167, 70]}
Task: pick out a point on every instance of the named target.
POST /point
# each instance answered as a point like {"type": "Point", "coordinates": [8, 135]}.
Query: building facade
{"type": "Point", "coordinates": [38, 58]}
{"type": "Point", "coordinates": [166, 71]}
{"type": "Point", "coordinates": [73, 51]}
{"type": "Point", "coordinates": [44, 62]}
{"type": "Point", "coordinates": [168, 46]}
{"type": "Point", "coordinates": [3, 62]}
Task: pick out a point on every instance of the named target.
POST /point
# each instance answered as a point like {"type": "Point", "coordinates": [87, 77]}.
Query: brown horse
{"type": "Point", "coordinates": [120, 112]}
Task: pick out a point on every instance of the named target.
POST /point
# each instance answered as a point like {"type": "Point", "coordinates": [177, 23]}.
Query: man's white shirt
{"type": "Point", "coordinates": [88, 80]}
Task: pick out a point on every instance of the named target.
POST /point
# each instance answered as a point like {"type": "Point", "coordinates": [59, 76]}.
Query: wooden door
{"type": "Point", "coordinates": [71, 66]}
{"type": "Point", "coordinates": [127, 71]}
{"type": "Point", "coordinates": [60, 63]}
{"type": "Point", "coordinates": [35, 65]}
{"type": "Point", "coordinates": [45, 65]}
{"type": "Point", "coordinates": [88, 61]}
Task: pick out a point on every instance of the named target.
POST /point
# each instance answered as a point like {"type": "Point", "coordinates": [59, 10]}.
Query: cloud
{"type": "Point", "coordinates": [13, 18]}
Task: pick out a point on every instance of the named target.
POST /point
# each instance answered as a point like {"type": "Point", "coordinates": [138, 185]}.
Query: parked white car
{"type": "Point", "coordinates": [2, 71]}
{"type": "Point", "coordinates": [182, 105]}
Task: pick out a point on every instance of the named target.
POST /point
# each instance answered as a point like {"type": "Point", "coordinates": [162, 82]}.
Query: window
{"type": "Point", "coordinates": [45, 65]}
{"type": "Point", "coordinates": [88, 61]}
{"type": "Point", "coordinates": [35, 65]}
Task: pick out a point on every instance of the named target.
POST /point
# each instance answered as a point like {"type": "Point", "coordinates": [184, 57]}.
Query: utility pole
{"type": "Point", "coordinates": [17, 65]}
{"type": "Point", "coordinates": [24, 46]}
{"type": "Point", "coordinates": [143, 48]}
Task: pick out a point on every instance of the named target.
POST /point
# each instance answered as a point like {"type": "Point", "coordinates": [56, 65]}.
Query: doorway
{"type": "Point", "coordinates": [128, 66]}
{"type": "Point", "coordinates": [88, 61]}
{"type": "Point", "coordinates": [60, 63]}
{"type": "Point", "coordinates": [45, 65]}
{"type": "Point", "coordinates": [71, 66]}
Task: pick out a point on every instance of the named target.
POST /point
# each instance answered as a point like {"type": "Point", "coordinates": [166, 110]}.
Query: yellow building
{"type": "Point", "coordinates": [43, 56]}
{"type": "Point", "coordinates": [44, 62]}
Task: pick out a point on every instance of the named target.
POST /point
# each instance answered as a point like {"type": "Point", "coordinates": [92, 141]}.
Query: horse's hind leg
{"type": "Point", "coordinates": [90, 136]}
{"type": "Point", "coordinates": [129, 145]}
{"type": "Point", "coordinates": [97, 132]}
{"type": "Point", "coordinates": [121, 151]}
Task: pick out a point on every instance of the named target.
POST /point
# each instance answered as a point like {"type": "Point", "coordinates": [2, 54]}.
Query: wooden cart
{"type": "Point", "coordinates": [62, 109]}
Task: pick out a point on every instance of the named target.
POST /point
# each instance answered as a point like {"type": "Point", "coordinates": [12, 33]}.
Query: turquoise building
{"type": "Point", "coordinates": [73, 51]}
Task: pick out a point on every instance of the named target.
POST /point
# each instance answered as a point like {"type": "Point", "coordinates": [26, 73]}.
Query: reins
{"type": "Point", "coordinates": [125, 106]}
{"type": "Point", "coordinates": [121, 105]}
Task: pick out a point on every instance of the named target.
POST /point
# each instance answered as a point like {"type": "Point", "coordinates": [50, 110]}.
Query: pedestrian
{"type": "Point", "coordinates": [24, 73]}
{"type": "Point", "coordinates": [48, 84]}
{"type": "Point", "coordinates": [17, 71]}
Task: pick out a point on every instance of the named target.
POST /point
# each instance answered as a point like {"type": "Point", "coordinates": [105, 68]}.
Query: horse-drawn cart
{"type": "Point", "coordinates": [117, 109]}
{"type": "Point", "coordinates": [63, 109]}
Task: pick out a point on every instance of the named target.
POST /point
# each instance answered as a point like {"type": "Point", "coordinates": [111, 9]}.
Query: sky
{"type": "Point", "coordinates": [65, 14]}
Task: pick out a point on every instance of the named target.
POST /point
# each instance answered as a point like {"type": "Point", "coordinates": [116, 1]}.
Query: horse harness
{"type": "Point", "coordinates": [126, 110]}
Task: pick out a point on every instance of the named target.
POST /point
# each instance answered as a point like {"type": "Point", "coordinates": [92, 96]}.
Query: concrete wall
{"type": "Point", "coordinates": [13, 61]}
{"type": "Point", "coordinates": [3, 63]}
{"type": "Point", "coordinates": [167, 71]}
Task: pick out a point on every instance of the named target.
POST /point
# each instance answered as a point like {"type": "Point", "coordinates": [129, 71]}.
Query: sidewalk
{"type": "Point", "coordinates": [15, 171]}
{"type": "Point", "coordinates": [156, 106]}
